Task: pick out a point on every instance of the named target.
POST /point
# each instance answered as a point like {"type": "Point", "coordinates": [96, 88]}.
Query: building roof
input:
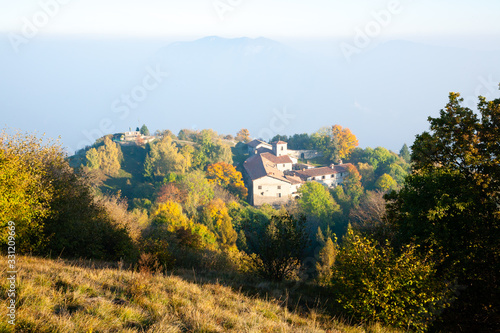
{"type": "Point", "coordinates": [277, 159]}
{"type": "Point", "coordinates": [262, 150]}
{"type": "Point", "coordinates": [294, 179]}
{"type": "Point", "coordinates": [259, 167]}
{"type": "Point", "coordinates": [280, 142]}
{"type": "Point", "coordinates": [322, 171]}
{"type": "Point", "coordinates": [254, 143]}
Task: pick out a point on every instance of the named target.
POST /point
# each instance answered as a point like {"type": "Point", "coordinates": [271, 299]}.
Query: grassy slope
{"type": "Point", "coordinates": [59, 296]}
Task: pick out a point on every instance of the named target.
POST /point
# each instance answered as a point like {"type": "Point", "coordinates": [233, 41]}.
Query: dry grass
{"type": "Point", "coordinates": [58, 296]}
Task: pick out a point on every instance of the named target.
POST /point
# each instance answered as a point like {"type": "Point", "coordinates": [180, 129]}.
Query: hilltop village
{"type": "Point", "coordinates": [274, 174]}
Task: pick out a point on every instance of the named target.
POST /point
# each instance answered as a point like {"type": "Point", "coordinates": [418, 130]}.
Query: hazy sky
{"type": "Point", "coordinates": [253, 18]}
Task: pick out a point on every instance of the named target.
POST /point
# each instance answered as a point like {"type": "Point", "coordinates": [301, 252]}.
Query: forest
{"type": "Point", "coordinates": [410, 240]}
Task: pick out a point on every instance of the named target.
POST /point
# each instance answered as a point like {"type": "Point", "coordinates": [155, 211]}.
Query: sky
{"type": "Point", "coordinates": [409, 19]}
{"type": "Point", "coordinates": [41, 81]}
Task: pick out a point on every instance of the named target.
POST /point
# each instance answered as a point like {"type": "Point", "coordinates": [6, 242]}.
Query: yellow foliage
{"type": "Point", "coordinates": [346, 140]}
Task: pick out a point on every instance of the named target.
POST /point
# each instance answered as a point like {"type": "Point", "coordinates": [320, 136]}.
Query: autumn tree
{"type": "Point", "coordinates": [385, 183]}
{"type": "Point", "coordinates": [226, 176]}
{"type": "Point", "coordinates": [325, 262]}
{"type": "Point", "coordinates": [221, 221]}
{"type": "Point", "coordinates": [25, 189]}
{"type": "Point", "coordinates": [346, 140]}
{"type": "Point", "coordinates": [373, 282]}
{"type": "Point", "coordinates": [54, 209]}
{"type": "Point", "coordinates": [243, 135]}
{"type": "Point", "coordinates": [106, 158]}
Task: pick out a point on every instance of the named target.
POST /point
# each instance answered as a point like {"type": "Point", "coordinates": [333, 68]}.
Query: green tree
{"type": "Point", "coordinates": [315, 201]}
{"type": "Point", "coordinates": [451, 204]}
{"type": "Point", "coordinates": [404, 153]}
{"type": "Point", "coordinates": [144, 130]}
{"type": "Point", "coordinates": [282, 246]}
{"type": "Point", "coordinates": [163, 158]}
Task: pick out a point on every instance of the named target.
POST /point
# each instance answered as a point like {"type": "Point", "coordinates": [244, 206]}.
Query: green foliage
{"type": "Point", "coordinates": [144, 130]}
{"type": "Point", "coordinates": [451, 204]}
{"type": "Point", "coordinates": [373, 163]}
{"type": "Point", "coordinates": [404, 153]}
{"type": "Point", "coordinates": [59, 211]}
{"type": "Point", "coordinates": [107, 158]}
{"type": "Point", "coordinates": [26, 164]}
{"type": "Point", "coordinates": [325, 262]}
{"type": "Point", "coordinates": [316, 202]}
{"type": "Point", "coordinates": [282, 247]}
{"type": "Point", "coordinates": [163, 158]}
{"type": "Point", "coordinates": [374, 283]}
{"type": "Point", "coordinates": [199, 191]}
{"type": "Point", "coordinates": [211, 150]}
{"type": "Point", "coordinates": [385, 183]}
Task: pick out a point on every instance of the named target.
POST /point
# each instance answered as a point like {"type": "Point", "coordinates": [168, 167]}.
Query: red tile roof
{"type": "Point", "coordinates": [322, 171]}
{"type": "Point", "coordinates": [277, 159]}
{"type": "Point", "coordinates": [258, 167]}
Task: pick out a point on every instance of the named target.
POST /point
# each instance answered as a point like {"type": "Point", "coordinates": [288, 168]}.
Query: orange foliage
{"type": "Point", "coordinates": [169, 192]}
{"type": "Point", "coordinates": [347, 141]}
{"type": "Point", "coordinates": [226, 176]}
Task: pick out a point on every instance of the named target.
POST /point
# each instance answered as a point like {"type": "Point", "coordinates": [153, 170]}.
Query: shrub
{"type": "Point", "coordinates": [373, 283]}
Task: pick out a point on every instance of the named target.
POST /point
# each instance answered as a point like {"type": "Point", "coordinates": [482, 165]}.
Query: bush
{"type": "Point", "coordinates": [282, 247]}
{"type": "Point", "coordinates": [373, 283]}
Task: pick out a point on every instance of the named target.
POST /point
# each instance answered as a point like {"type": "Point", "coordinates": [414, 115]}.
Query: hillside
{"type": "Point", "coordinates": [62, 296]}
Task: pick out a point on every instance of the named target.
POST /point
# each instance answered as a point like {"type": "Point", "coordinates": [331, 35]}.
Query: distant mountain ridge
{"type": "Point", "coordinates": [384, 95]}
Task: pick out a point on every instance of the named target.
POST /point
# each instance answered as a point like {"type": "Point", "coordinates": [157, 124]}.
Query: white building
{"type": "Point", "coordinates": [271, 176]}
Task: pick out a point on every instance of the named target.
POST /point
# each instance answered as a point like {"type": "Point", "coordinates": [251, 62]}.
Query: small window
{"type": "Point", "coordinates": [284, 165]}
{"type": "Point", "coordinates": [281, 147]}
{"type": "Point", "coordinates": [324, 177]}
{"type": "Point", "coordinates": [260, 187]}
{"type": "Point", "coordinates": [279, 195]}
{"type": "Point", "coordinates": [262, 193]}
{"type": "Point", "coordinates": [279, 187]}
{"type": "Point", "coordinates": [314, 178]}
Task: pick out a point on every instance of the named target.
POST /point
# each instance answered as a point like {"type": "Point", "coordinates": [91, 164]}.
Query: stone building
{"type": "Point", "coordinates": [273, 177]}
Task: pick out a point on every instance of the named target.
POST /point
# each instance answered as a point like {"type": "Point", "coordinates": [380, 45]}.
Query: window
{"type": "Point", "coordinates": [262, 194]}
{"type": "Point", "coordinates": [279, 195]}
{"type": "Point", "coordinates": [323, 177]}
{"type": "Point", "coordinates": [281, 147]}
{"type": "Point", "coordinates": [279, 187]}
{"type": "Point", "coordinates": [260, 187]}
{"type": "Point", "coordinates": [314, 178]}
{"type": "Point", "coordinates": [284, 165]}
